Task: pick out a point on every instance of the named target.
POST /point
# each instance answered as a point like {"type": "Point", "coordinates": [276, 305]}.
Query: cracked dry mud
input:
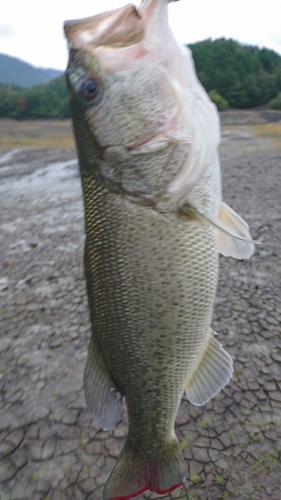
{"type": "Point", "coordinates": [50, 448]}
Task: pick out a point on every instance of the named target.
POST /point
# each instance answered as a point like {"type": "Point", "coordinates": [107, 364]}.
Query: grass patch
{"type": "Point", "coordinates": [219, 479]}
{"type": "Point", "coordinates": [56, 142]}
{"type": "Point", "coordinates": [184, 441]}
{"type": "Point", "coordinates": [36, 134]}
{"type": "Point", "coordinates": [253, 139]}
{"type": "Point", "coordinates": [43, 439]}
{"type": "Point", "coordinates": [266, 462]}
{"type": "Point", "coordinates": [267, 129]}
{"type": "Point", "coordinates": [195, 478]}
{"type": "Point", "coordinates": [192, 496]}
{"type": "Point", "coordinates": [258, 438]}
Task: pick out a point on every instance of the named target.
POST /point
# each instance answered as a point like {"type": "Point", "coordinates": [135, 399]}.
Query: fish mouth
{"type": "Point", "coordinates": [117, 28]}
{"type": "Point", "coordinates": [148, 144]}
{"type": "Point", "coordinates": [123, 27]}
{"type": "Point", "coordinates": [160, 138]}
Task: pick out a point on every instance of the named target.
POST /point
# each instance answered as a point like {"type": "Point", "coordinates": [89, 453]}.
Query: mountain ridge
{"type": "Point", "coordinates": [15, 71]}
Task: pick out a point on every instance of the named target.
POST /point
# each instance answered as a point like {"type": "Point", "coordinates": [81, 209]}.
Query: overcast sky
{"type": "Point", "coordinates": [32, 29]}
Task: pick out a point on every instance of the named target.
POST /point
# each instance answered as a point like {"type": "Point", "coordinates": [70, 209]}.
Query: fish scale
{"type": "Point", "coordinates": [147, 137]}
{"type": "Point", "coordinates": [144, 295]}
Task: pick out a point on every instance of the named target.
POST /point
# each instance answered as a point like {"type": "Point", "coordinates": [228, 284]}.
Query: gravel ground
{"type": "Point", "coordinates": [50, 448]}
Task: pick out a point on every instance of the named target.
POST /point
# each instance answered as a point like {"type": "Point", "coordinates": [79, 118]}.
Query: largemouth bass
{"type": "Point", "coordinates": [147, 137]}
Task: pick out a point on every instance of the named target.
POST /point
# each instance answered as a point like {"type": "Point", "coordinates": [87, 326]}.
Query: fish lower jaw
{"type": "Point", "coordinates": [151, 145]}
{"type": "Point", "coordinates": [164, 133]}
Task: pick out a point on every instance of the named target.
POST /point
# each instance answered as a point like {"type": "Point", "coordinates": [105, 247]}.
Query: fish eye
{"type": "Point", "coordinates": [90, 89]}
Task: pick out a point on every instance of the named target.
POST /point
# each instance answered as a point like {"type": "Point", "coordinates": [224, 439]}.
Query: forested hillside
{"type": "Point", "coordinates": [245, 76]}
{"type": "Point", "coordinates": [14, 71]}
{"type": "Point", "coordinates": [43, 101]}
{"type": "Point", "coordinates": [234, 75]}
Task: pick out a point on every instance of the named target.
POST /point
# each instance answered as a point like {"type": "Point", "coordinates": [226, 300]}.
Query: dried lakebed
{"type": "Point", "coordinates": [49, 446]}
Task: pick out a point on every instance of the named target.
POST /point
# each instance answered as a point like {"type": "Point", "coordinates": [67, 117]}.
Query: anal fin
{"type": "Point", "coordinates": [103, 398]}
{"type": "Point", "coordinates": [212, 372]}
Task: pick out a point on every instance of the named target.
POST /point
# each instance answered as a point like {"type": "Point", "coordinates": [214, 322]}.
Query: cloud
{"type": "Point", "coordinates": [7, 31]}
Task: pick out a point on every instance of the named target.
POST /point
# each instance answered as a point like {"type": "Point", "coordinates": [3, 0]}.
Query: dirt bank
{"type": "Point", "coordinates": [50, 447]}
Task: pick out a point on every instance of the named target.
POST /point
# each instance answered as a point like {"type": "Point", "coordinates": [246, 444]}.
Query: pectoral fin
{"type": "Point", "coordinates": [211, 373]}
{"type": "Point", "coordinates": [234, 239]}
{"type": "Point", "coordinates": [103, 398]}
{"type": "Point", "coordinates": [228, 245]}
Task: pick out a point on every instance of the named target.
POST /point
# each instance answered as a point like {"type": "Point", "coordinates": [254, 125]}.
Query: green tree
{"type": "Point", "coordinates": [43, 101]}
{"type": "Point", "coordinates": [276, 102]}
{"type": "Point", "coordinates": [245, 76]}
{"type": "Point", "coordinates": [219, 101]}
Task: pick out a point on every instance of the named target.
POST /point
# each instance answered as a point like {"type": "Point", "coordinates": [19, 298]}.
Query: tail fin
{"type": "Point", "coordinates": [134, 474]}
